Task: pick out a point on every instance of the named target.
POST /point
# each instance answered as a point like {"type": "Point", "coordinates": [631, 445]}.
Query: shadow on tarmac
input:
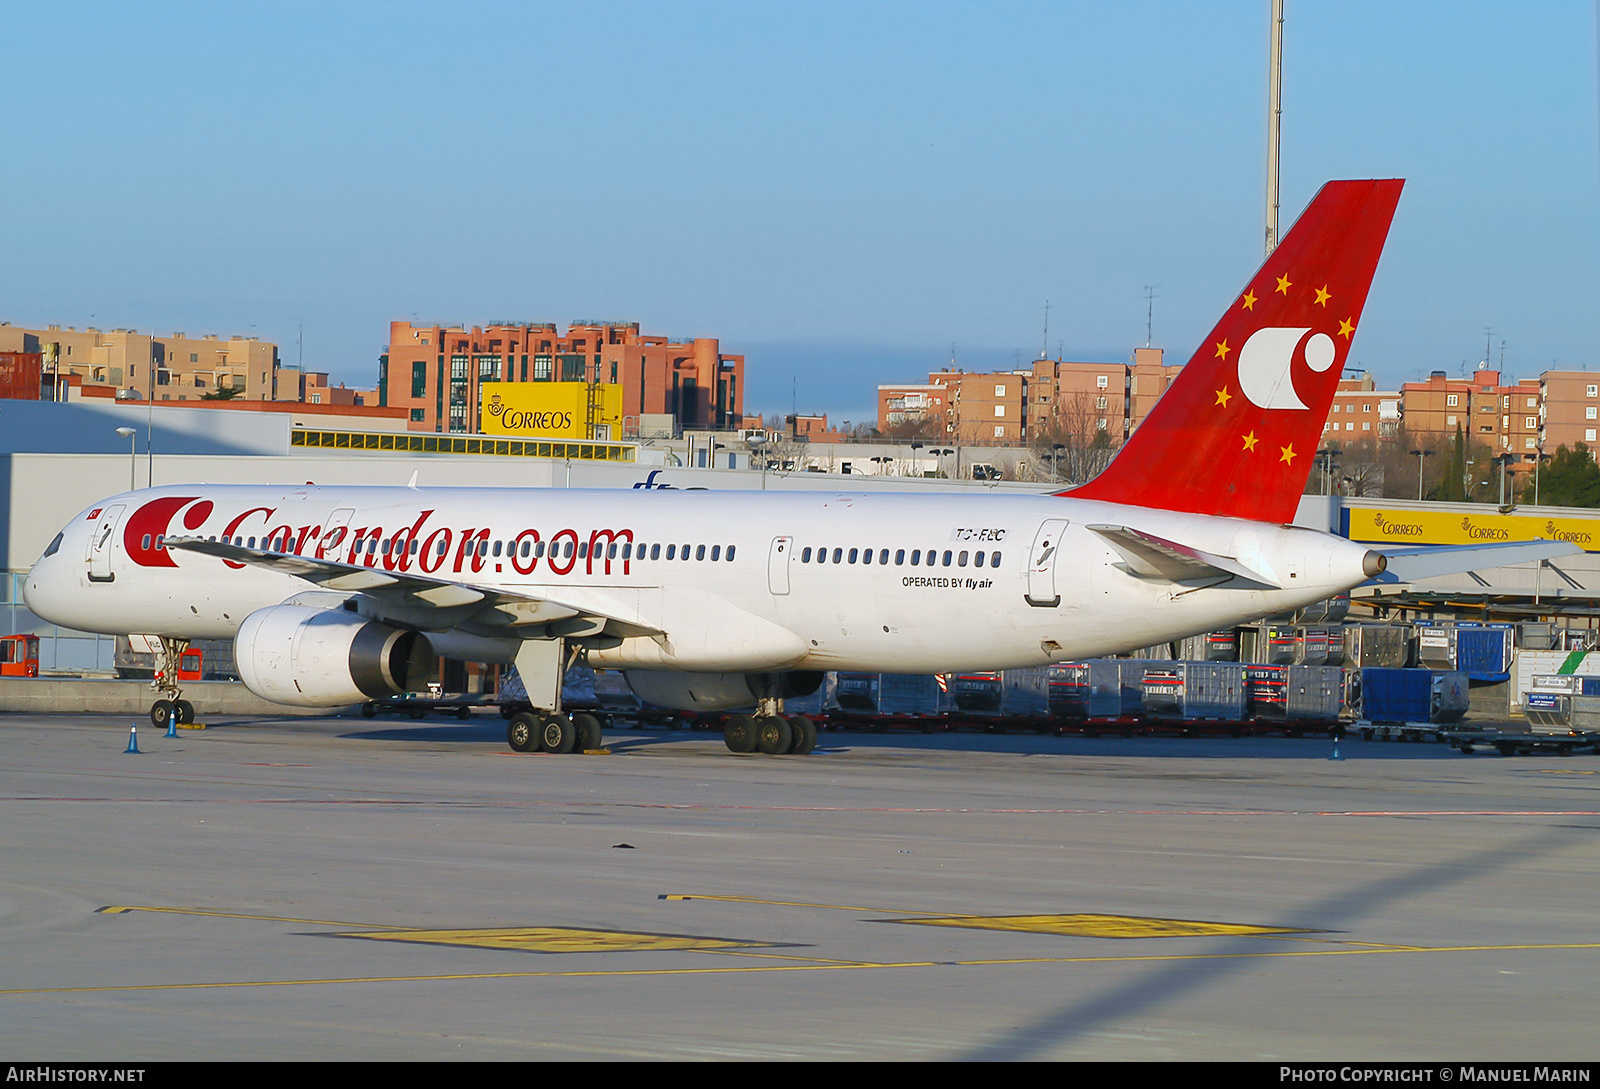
{"type": "Point", "coordinates": [1047, 1035]}
{"type": "Point", "coordinates": [485, 729]}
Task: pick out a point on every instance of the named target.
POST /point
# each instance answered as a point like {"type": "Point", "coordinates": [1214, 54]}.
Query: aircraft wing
{"type": "Point", "coordinates": [1152, 557]}
{"type": "Point", "coordinates": [1429, 561]}
{"type": "Point", "coordinates": [435, 603]}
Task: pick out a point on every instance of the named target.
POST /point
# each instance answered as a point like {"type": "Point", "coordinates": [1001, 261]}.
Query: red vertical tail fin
{"type": "Point", "coordinates": [1235, 433]}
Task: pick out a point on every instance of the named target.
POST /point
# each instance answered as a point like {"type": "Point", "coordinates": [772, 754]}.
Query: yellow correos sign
{"type": "Point", "coordinates": [1454, 528]}
{"type": "Point", "coordinates": [553, 409]}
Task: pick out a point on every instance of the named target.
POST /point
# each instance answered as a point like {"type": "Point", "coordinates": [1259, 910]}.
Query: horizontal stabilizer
{"type": "Point", "coordinates": [1152, 557]}
{"type": "Point", "coordinates": [1430, 561]}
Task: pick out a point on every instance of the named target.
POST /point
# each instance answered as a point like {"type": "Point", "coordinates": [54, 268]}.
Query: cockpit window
{"type": "Point", "coordinates": [54, 545]}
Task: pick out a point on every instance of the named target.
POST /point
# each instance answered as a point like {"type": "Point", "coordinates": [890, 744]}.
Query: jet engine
{"type": "Point", "coordinates": [307, 657]}
{"type": "Point", "coordinates": [715, 691]}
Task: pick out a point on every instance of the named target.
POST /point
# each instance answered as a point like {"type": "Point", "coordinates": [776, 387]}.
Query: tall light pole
{"type": "Point", "coordinates": [129, 433]}
{"type": "Point", "coordinates": [758, 448]}
{"type": "Point", "coordinates": [1274, 120]}
{"type": "Point", "coordinates": [1419, 455]}
{"type": "Point", "coordinates": [1505, 462]}
{"type": "Point", "coordinates": [1328, 458]}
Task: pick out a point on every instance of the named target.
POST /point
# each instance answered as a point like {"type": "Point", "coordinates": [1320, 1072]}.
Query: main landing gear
{"type": "Point", "coordinates": [769, 731]}
{"type": "Point", "coordinates": [542, 664]}
{"type": "Point", "coordinates": [171, 705]}
{"type": "Point", "coordinates": [552, 732]}
{"type": "Point", "coordinates": [772, 735]}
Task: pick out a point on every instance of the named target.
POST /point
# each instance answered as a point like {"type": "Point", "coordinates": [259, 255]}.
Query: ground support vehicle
{"type": "Point", "coordinates": [1401, 731]}
{"type": "Point", "coordinates": [1523, 742]}
{"type": "Point", "coordinates": [420, 706]}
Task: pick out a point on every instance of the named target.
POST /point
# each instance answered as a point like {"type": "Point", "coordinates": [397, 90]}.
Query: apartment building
{"type": "Point", "coordinates": [434, 372]}
{"type": "Point", "coordinates": [1052, 400]}
{"type": "Point", "coordinates": [143, 365]}
{"type": "Point", "coordinates": [1361, 412]}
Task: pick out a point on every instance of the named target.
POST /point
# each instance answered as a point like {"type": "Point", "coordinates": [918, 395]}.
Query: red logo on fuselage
{"type": "Point", "coordinates": [369, 546]}
{"type": "Point", "coordinates": [147, 525]}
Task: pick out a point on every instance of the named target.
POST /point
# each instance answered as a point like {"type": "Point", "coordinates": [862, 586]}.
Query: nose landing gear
{"type": "Point", "coordinates": [172, 705]}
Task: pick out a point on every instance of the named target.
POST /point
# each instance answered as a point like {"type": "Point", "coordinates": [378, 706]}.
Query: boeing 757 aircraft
{"type": "Point", "coordinates": [730, 600]}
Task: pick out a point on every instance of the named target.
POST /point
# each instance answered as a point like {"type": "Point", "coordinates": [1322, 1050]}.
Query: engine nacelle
{"type": "Point", "coordinates": [714, 691]}
{"type": "Point", "coordinates": [309, 657]}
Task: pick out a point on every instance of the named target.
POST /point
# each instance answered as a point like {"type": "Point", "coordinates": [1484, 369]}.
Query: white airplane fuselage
{"type": "Point", "coordinates": [906, 583]}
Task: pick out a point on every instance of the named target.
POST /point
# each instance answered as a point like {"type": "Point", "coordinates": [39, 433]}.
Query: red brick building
{"type": "Point", "coordinates": [434, 371]}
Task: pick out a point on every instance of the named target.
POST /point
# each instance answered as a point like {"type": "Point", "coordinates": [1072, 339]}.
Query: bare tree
{"type": "Point", "coordinates": [1074, 446]}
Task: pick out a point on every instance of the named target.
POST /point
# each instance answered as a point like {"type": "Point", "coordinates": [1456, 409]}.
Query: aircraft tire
{"type": "Point", "coordinates": [588, 731]}
{"type": "Point", "coordinates": [739, 733]}
{"type": "Point", "coordinates": [804, 735]}
{"type": "Point", "coordinates": [522, 732]}
{"type": "Point", "coordinates": [557, 735]}
{"type": "Point", "coordinates": [160, 714]}
{"type": "Point", "coordinates": [184, 710]}
{"type": "Point", "coordinates": [773, 735]}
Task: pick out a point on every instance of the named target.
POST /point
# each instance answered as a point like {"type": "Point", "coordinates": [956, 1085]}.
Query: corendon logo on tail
{"type": "Point", "coordinates": [1266, 364]}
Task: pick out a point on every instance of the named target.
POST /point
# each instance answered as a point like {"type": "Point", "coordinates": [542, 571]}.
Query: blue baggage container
{"type": "Point", "coordinates": [1484, 654]}
{"type": "Point", "coordinates": [1413, 695]}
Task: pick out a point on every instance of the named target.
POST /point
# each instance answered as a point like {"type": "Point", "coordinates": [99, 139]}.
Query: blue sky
{"type": "Point", "coordinates": [847, 193]}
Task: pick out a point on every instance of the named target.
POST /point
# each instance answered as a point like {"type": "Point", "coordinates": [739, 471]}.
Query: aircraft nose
{"type": "Point", "coordinates": [38, 588]}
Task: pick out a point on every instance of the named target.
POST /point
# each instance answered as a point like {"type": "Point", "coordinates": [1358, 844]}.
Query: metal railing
{"type": "Point", "coordinates": [415, 443]}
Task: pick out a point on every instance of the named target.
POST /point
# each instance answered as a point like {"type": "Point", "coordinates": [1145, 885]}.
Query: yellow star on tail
{"type": "Point", "coordinates": [1250, 441]}
{"type": "Point", "coordinates": [1345, 328]}
{"type": "Point", "coordinates": [1323, 296]}
{"type": "Point", "coordinates": [1287, 453]}
{"type": "Point", "coordinates": [1249, 301]}
{"type": "Point", "coordinates": [1223, 396]}
{"type": "Point", "coordinates": [1223, 350]}
{"type": "Point", "coordinates": [1283, 285]}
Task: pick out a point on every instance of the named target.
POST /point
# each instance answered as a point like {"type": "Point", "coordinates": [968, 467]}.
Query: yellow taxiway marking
{"type": "Point", "coordinates": [1079, 925]}
{"type": "Point", "coordinates": [116, 909]}
{"type": "Point", "coordinates": [535, 939]}
{"type": "Point", "coordinates": [555, 939]}
{"type": "Point", "coordinates": [1102, 926]}
{"type": "Point", "coordinates": [847, 966]}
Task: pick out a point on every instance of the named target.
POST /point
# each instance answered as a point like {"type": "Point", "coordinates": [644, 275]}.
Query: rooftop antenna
{"type": "Point", "coordinates": [1044, 345]}
{"type": "Point", "coordinates": [1274, 119]}
{"type": "Point", "coordinates": [1149, 310]}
